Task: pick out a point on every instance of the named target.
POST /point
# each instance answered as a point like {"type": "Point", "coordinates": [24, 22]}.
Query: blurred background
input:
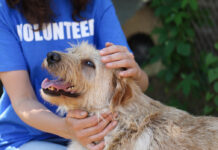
{"type": "Point", "coordinates": [176, 43]}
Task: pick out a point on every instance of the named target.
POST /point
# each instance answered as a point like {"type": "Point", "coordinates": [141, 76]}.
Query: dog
{"type": "Point", "coordinates": [143, 123]}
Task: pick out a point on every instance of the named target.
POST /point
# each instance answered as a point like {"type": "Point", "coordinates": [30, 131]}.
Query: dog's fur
{"type": "Point", "coordinates": [143, 123]}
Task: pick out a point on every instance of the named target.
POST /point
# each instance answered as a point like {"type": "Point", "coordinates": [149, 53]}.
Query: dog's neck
{"type": "Point", "coordinates": [137, 107]}
{"type": "Point", "coordinates": [139, 103]}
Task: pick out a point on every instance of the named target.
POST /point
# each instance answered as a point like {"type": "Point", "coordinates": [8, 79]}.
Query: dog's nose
{"type": "Point", "coordinates": [53, 57]}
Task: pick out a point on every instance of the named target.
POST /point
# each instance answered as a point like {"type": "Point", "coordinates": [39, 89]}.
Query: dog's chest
{"type": "Point", "coordinates": [120, 140]}
{"type": "Point", "coordinates": [144, 140]}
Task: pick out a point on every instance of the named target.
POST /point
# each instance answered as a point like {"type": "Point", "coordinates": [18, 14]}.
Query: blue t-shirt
{"type": "Point", "coordinates": [23, 49]}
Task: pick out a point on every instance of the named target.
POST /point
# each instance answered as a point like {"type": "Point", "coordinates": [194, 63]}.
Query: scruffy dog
{"type": "Point", "coordinates": [143, 123]}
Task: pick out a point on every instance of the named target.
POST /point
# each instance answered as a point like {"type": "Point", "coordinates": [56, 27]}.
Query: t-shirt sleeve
{"type": "Point", "coordinates": [11, 56]}
{"type": "Point", "coordinates": [109, 29]}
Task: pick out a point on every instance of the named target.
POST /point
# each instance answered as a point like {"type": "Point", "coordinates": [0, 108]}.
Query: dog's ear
{"type": "Point", "coordinates": [122, 92]}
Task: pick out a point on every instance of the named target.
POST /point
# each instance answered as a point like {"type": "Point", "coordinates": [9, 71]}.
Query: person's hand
{"type": "Point", "coordinates": [87, 130]}
{"type": "Point", "coordinates": [115, 56]}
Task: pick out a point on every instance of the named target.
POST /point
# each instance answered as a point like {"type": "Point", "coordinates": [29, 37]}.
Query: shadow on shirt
{"type": "Point", "coordinates": [1, 88]}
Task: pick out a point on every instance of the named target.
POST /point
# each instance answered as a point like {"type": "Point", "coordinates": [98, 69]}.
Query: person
{"type": "Point", "coordinates": [29, 29]}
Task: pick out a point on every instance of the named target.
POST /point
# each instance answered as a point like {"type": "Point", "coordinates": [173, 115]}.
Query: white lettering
{"type": "Point", "coordinates": [38, 37]}
{"type": "Point", "coordinates": [27, 32]}
{"type": "Point", "coordinates": [19, 31]}
{"type": "Point", "coordinates": [84, 28]}
{"type": "Point", "coordinates": [91, 27]}
{"type": "Point", "coordinates": [68, 26]}
{"type": "Point", "coordinates": [58, 31]}
{"type": "Point", "coordinates": [76, 30]}
{"type": "Point", "coordinates": [47, 32]}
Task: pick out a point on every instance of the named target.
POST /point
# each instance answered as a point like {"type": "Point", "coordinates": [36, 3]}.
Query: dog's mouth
{"type": "Point", "coordinates": [58, 87]}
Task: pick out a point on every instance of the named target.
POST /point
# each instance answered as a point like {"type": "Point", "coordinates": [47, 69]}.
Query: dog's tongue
{"type": "Point", "coordinates": [58, 84]}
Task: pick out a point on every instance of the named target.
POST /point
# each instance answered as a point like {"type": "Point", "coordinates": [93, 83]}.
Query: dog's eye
{"type": "Point", "coordinates": [89, 63]}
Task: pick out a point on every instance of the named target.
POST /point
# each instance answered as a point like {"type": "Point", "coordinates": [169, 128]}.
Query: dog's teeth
{"type": "Point", "coordinates": [70, 88]}
{"type": "Point", "coordinates": [51, 88]}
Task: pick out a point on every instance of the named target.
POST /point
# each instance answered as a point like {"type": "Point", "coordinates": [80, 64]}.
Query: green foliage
{"type": "Point", "coordinates": [216, 46]}
{"type": "Point", "coordinates": [195, 73]}
{"type": "Point", "coordinates": [208, 110]}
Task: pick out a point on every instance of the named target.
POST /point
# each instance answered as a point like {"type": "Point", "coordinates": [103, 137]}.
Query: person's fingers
{"type": "Point", "coordinates": [128, 73]}
{"type": "Point", "coordinates": [100, 136]}
{"type": "Point", "coordinates": [132, 55]}
{"type": "Point", "coordinates": [99, 127]}
{"type": "Point", "coordinates": [78, 124]}
{"type": "Point", "coordinates": [92, 121]}
{"type": "Point", "coordinates": [125, 63]}
{"type": "Point", "coordinates": [116, 57]}
{"type": "Point", "coordinates": [112, 49]}
{"type": "Point", "coordinates": [84, 134]}
{"type": "Point", "coordinates": [77, 114]}
{"type": "Point", "coordinates": [108, 44]}
{"type": "Point", "coordinates": [99, 146]}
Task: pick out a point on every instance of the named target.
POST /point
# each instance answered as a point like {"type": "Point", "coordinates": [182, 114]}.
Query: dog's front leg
{"type": "Point", "coordinates": [74, 145]}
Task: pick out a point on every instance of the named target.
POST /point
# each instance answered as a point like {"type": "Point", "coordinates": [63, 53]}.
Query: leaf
{"type": "Point", "coordinates": [210, 59]}
{"type": "Point", "coordinates": [162, 38]}
{"type": "Point", "coordinates": [216, 46]}
{"type": "Point", "coordinates": [162, 11]}
{"type": "Point", "coordinates": [155, 3]}
{"type": "Point", "coordinates": [184, 3]}
{"type": "Point", "coordinates": [178, 19]}
{"type": "Point", "coordinates": [209, 96]}
{"type": "Point", "coordinates": [190, 32]}
{"type": "Point", "coordinates": [187, 84]}
{"type": "Point", "coordinates": [208, 110]}
{"type": "Point", "coordinates": [216, 87]}
{"type": "Point", "coordinates": [193, 4]}
{"type": "Point", "coordinates": [170, 18]}
{"type": "Point", "coordinates": [213, 75]}
{"type": "Point", "coordinates": [169, 76]}
{"type": "Point", "coordinates": [170, 46]}
{"type": "Point", "coordinates": [184, 49]}
{"type": "Point", "coordinates": [174, 32]}
{"type": "Point", "coordinates": [185, 87]}
{"type": "Point", "coordinates": [216, 100]}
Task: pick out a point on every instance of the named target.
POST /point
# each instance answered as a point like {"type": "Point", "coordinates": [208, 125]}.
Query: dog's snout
{"type": "Point", "coordinates": [53, 57]}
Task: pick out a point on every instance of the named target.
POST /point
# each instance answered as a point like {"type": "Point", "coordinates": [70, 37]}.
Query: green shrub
{"type": "Point", "coordinates": [191, 73]}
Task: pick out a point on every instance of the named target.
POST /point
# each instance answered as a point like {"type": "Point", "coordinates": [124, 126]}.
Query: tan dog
{"type": "Point", "coordinates": [143, 123]}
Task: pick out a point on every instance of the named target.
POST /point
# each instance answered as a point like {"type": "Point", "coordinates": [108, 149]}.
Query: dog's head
{"type": "Point", "coordinates": [83, 80]}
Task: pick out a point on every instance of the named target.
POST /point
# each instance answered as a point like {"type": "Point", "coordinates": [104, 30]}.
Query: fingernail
{"type": "Point", "coordinates": [103, 58]}
{"type": "Point", "coordinates": [122, 73]}
{"type": "Point", "coordinates": [83, 113]}
{"type": "Point", "coordinates": [102, 51]}
{"type": "Point", "coordinates": [114, 123]}
{"type": "Point", "coordinates": [109, 65]}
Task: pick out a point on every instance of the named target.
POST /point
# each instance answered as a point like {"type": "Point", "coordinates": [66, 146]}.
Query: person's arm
{"type": "Point", "coordinates": [27, 107]}
{"type": "Point", "coordinates": [74, 126]}
{"type": "Point", "coordinates": [142, 80]}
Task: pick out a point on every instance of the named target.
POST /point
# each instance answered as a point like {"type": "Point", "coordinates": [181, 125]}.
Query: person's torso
{"type": "Point", "coordinates": [57, 35]}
